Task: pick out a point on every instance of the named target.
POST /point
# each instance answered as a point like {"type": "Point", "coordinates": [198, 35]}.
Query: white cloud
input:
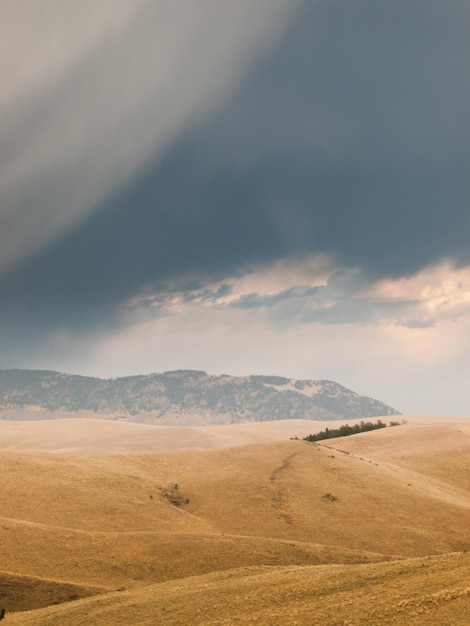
{"type": "Point", "coordinates": [314, 290]}
{"type": "Point", "coordinates": [442, 291]}
{"type": "Point", "coordinates": [92, 90]}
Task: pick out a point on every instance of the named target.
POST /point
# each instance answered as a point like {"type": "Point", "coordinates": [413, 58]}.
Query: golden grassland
{"type": "Point", "coordinates": [369, 529]}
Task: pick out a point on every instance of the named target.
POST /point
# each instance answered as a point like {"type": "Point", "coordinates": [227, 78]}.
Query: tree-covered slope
{"type": "Point", "coordinates": [157, 397]}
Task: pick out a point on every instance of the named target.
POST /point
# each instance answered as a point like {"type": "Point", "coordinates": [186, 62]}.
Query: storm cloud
{"type": "Point", "coordinates": [88, 110]}
{"type": "Point", "coordinates": [338, 127]}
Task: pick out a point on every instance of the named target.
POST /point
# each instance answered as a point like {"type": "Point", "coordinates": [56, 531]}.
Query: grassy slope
{"type": "Point", "coordinates": [420, 591]}
{"type": "Point", "coordinates": [89, 521]}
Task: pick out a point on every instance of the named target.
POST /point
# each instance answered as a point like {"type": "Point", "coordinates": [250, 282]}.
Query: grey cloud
{"type": "Point", "coordinates": [43, 41]}
{"type": "Point", "coordinates": [361, 311]}
{"type": "Point", "coordinates": [418, 323]}
{"type": "Point", "coordinates": [121, 102]}
{"type": "Point", "coordinates": [350, 136]}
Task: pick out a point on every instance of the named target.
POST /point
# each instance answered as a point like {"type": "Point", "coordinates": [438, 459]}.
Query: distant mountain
{"type": "Point", "coordinates": [180, 397]}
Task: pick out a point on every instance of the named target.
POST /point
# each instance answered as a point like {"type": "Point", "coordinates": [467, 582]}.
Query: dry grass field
{"type": "Point", "coordinates": [110, 523]}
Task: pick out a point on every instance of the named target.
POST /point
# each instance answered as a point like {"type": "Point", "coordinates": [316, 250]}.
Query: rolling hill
{"type": "Point", "coordinates": [368, 529]}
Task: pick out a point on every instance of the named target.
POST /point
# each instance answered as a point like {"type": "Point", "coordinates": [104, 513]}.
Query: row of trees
{"type": "Point", "coordinates": [345, 430]}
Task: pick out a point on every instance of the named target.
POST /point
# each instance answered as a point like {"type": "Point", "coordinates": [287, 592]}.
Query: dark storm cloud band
{"type": "Point", "coordinates": [350, 138]}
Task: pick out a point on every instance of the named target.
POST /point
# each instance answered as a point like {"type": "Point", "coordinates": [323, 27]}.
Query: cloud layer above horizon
{"type": "Point", "coordinates": [174, 175]}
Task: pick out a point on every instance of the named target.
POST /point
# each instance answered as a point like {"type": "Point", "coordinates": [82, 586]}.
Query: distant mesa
{"type": "Point", "coordinates": [182, 397]}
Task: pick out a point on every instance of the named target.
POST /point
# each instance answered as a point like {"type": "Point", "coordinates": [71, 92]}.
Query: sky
{"type": "Point", "coordinates": [250, 187]}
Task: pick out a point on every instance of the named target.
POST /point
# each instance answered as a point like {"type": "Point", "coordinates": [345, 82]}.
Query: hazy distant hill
{"type": "Point", "coordinates": [184, 397]}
